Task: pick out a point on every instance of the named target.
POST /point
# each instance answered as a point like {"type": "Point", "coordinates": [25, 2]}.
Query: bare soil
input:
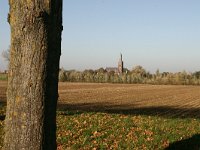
{"type": "Point", "coordinates": [164, 100]}
{"type": "Point", "coordinates": [3, 86]}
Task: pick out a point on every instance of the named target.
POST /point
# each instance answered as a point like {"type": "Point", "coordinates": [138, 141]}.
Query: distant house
{"type": "Point", "coordinates": [4, 72]}
{"type": "Point", "coordinates": [118, 69]}
{"type": "Point", "coordinates": [110, 69]}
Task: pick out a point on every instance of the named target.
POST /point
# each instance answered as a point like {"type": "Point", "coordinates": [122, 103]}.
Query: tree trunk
{"type": "Point", "coordinates": [32, 92]}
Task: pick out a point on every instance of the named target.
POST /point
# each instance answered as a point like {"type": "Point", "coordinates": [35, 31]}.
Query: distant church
{"type": "Point", "coordinates": [120, 67]}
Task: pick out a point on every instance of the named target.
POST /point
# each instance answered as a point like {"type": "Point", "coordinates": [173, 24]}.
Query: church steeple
{"type": "Point", "coordinates": [120, 64]}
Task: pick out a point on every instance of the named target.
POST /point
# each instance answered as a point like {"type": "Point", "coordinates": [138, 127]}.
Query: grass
{"type": "Point", "coordinates": [3, 77]}
{"type": "Point", "coordinates": [95, 130]}
{"type": "Point", "coordinates": [106, 116]}
{"type": "Point", "coordinates": [2, 114]}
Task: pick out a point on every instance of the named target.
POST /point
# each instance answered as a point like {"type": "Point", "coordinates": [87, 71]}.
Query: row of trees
{"type": "Point", "coordinates": [138, 75]}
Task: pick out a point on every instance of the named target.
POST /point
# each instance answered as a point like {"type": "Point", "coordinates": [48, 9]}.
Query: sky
{"type": "Point", "coordinates": [156, 34]}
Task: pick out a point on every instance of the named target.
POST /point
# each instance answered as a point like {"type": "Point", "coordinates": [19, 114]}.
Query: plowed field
{"type": "Point", "coordinates": [162, 100]}
{"type": "Point", "coordinates": [167, 100]}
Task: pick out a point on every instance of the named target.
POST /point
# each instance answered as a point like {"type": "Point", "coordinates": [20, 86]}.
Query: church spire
{"type": "Point", "coordinates": [120, 64]}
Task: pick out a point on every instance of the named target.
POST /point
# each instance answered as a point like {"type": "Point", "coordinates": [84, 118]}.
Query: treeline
{"type": "Point", "coordinates": [138, 75]}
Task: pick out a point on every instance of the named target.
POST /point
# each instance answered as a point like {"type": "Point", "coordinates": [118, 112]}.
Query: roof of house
{"type": "Point", "coordinates": [109, 69]}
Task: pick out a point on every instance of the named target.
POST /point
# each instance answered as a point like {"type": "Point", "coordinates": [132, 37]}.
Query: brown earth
{"type": "Point", "coordinates": [3, 85]}
{"type": "Point", "coordinates": [163, 100]}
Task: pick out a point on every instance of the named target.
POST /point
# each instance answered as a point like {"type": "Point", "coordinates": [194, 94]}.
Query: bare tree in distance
{"type": "Point", "coordinates": [6, 54]}
{"type": "Point", "coordinates": [32, 91]}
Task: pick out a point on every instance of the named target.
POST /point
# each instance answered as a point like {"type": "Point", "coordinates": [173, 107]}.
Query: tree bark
{"type": "Point", "coordinates": [32, 92]}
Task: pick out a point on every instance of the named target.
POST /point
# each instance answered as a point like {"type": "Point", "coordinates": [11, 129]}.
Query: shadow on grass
{"type": "Point", "coordinates": [169, 112]}
{"type": "Point", "coordinates": [192, 143]}
{"type": "Point", "coordinates": [2, 104]}
{"type": "Point", "coordinates": [2, 117]}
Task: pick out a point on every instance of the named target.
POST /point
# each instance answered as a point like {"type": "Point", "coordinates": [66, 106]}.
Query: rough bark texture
{"type": "Point", "coordinates": [36, 27]}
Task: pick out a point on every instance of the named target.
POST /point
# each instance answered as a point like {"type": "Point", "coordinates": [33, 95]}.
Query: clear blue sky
{"type": "Point", "coordinates": [162, 34]}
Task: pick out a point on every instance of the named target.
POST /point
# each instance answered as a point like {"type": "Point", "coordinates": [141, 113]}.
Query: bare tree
{"type": "Point", "coordinates": [32, 92]}
{"type": "Point", "coordinates": [6, 55]}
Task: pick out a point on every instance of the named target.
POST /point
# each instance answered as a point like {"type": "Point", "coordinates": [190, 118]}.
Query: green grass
{"type": "Point", "coordinates": [3, 77]}
{"type": "Point", "coordinates": [116, 131]}
{"type": "Point", "coordinates": [2, 114]}
{"type": "Point", "coordinates": [93, 130]}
